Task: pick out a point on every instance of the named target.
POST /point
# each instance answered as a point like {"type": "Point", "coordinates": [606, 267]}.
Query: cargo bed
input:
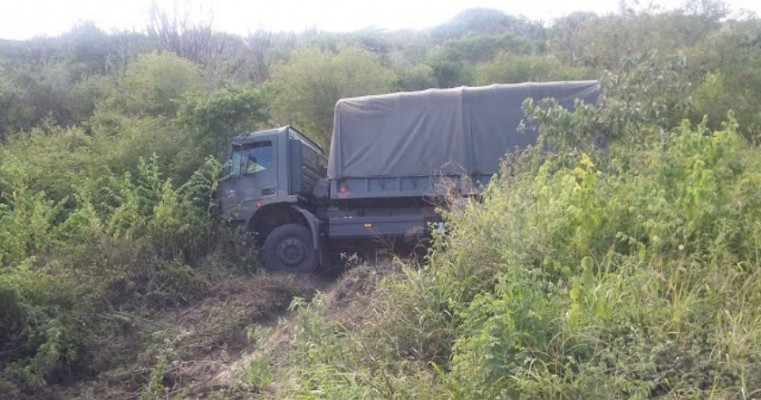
{"type": "Point", "coordinates": [407, 144]}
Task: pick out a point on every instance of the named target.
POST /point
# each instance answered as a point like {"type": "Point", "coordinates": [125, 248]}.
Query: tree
{"type": "Point", "coordinates": [612, 41]}
{"type": "Point", "coordinates": [450, 72]}
{"type": "Point", "coordinates": [417, 77]}
{"type": "Point", "coordinates": [33, 94]}
{"type": "Point", "coordinates": [15, 113]}
{"type": "Point", "coordinates": [307, 86]}
{"type": "Point", "coordinates": [211, 119]}
{"type": "Point", "coordinates": [88, 50]}
{"type": "Point", "coordinates": [153, 84]}
{"type": "Point", "coordinates": [727, 74]}
{"type": "Point", "coordinates": [195, 41]}
{"type": "Point", "coordinates": [509, 68]}
{"type": "Point", "coordinates": [452, 62]}
{"type": "Point", "coordinates": [259, 46]}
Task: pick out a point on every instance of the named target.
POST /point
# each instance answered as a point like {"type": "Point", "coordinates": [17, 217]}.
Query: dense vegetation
{"type": "Point", "coordinates": [629, 272]}
{"type": "Point", "coordinates": [619, 258]}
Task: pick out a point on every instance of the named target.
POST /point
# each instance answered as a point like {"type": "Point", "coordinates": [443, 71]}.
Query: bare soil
{"type": "Point", "coordinates": [201, 350]}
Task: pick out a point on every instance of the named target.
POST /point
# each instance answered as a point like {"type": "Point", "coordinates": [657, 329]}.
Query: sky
{"type": "Point", "coordinates": [23, 19]}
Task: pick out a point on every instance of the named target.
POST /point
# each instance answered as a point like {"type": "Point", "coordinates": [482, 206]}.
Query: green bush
{"type": "Point", "coordinates": [101, 243]}
{"type": "Point", "coordinates": [609, 280]}
{"type": "Point", "coordinates": [507, 67]}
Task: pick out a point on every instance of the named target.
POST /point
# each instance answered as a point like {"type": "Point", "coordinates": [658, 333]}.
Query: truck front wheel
{"type": "Point", "coordinates": [289, 248]}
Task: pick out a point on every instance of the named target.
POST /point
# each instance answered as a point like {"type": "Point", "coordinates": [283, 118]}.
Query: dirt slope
{"type": "Point", "coordinates": [180, 351]}
{"type": "Point", "coordinates": [201, 350]}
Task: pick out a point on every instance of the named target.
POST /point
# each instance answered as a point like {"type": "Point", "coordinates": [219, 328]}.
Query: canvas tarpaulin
{"type": "Point", "coordinates": [438, 131]}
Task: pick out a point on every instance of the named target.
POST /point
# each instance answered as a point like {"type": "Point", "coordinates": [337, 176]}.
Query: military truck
{"type": "Point", "coordinates": [390, 157]}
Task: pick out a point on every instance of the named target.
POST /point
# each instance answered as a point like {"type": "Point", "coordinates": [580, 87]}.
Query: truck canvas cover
{"type": "Point", "coordinates": [438, 131]}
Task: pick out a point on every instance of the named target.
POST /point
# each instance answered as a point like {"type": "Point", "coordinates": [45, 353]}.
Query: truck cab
{"type": "Point", "coordinates": [266, 187]}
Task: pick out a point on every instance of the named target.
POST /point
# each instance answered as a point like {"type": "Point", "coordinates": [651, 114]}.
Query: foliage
{"type": "Point", "coordinates": [108, 215]}
{"type": "Point", "coordinates": [644, 99]}
{"type": "Point", "coordinates": [111, 242]}
{"type": "Point", "coordinates": [449, 72]}
{"type": "Point", "coordinates": [452, 61]}
{"type": "Point", "coordinates": [194, 41]}
{"type": "Point", "coordinates": [618, 258]}
{"type": "Point", "coordinates": [611, 270]}
{"type": "Point", "coordinates": [608, 42]}
{"type": "Point", "coordinates": [726, 76]}
{"type": "Point", "coordinates": [31, 95]}
{"type": "Point", "coordinates": [419, 77]}
{"type": "Point", "coordinates": [154, 83]}
{"type": "Point", "coordinates": [90, 53]}
{"type": "Point", "coordinates": [42, 78]}
{"type": "Point", "coordinates": [513, 68]}
{"type": "Point", "coordinates": [212, 119]}
{"type": "Point", "coordinates": [307, 86]}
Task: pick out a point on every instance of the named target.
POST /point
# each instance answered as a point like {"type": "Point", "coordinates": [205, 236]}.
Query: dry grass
{"type": "Point", "coordinates": [184, 349]}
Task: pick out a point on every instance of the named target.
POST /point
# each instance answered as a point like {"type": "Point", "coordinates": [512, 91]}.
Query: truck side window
{"type": "Point", "coordinates": [259, 157]}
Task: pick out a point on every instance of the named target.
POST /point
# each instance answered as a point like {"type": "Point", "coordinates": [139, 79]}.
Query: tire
{"type": "Point", "coordinates": [289, 248]}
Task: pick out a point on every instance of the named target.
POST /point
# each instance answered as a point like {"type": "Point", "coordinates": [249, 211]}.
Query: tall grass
{"type": "Point", "coordinates": [72, 250]}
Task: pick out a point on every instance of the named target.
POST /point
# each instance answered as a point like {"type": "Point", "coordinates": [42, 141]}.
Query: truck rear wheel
{"type": "Point", "coordinates": [289, 248]}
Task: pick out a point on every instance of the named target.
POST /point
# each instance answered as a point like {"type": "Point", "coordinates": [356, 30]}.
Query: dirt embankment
{"type": "Point", "coordinates": [200, 351]}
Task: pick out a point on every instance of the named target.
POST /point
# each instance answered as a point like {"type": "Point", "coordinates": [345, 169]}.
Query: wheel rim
{"type": "Point", "coordinates": [291, 252]}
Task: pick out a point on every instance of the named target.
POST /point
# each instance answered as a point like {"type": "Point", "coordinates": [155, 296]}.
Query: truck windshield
{"type": "Point", "coordinates": [251, 158]}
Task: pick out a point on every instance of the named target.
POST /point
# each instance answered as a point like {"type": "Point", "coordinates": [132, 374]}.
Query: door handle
{"type": "Point", "coordinates": [268, 191]}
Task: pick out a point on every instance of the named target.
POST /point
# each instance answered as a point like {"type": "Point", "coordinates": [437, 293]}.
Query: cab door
{"type": "Point", "coordinates": [250, 176]}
